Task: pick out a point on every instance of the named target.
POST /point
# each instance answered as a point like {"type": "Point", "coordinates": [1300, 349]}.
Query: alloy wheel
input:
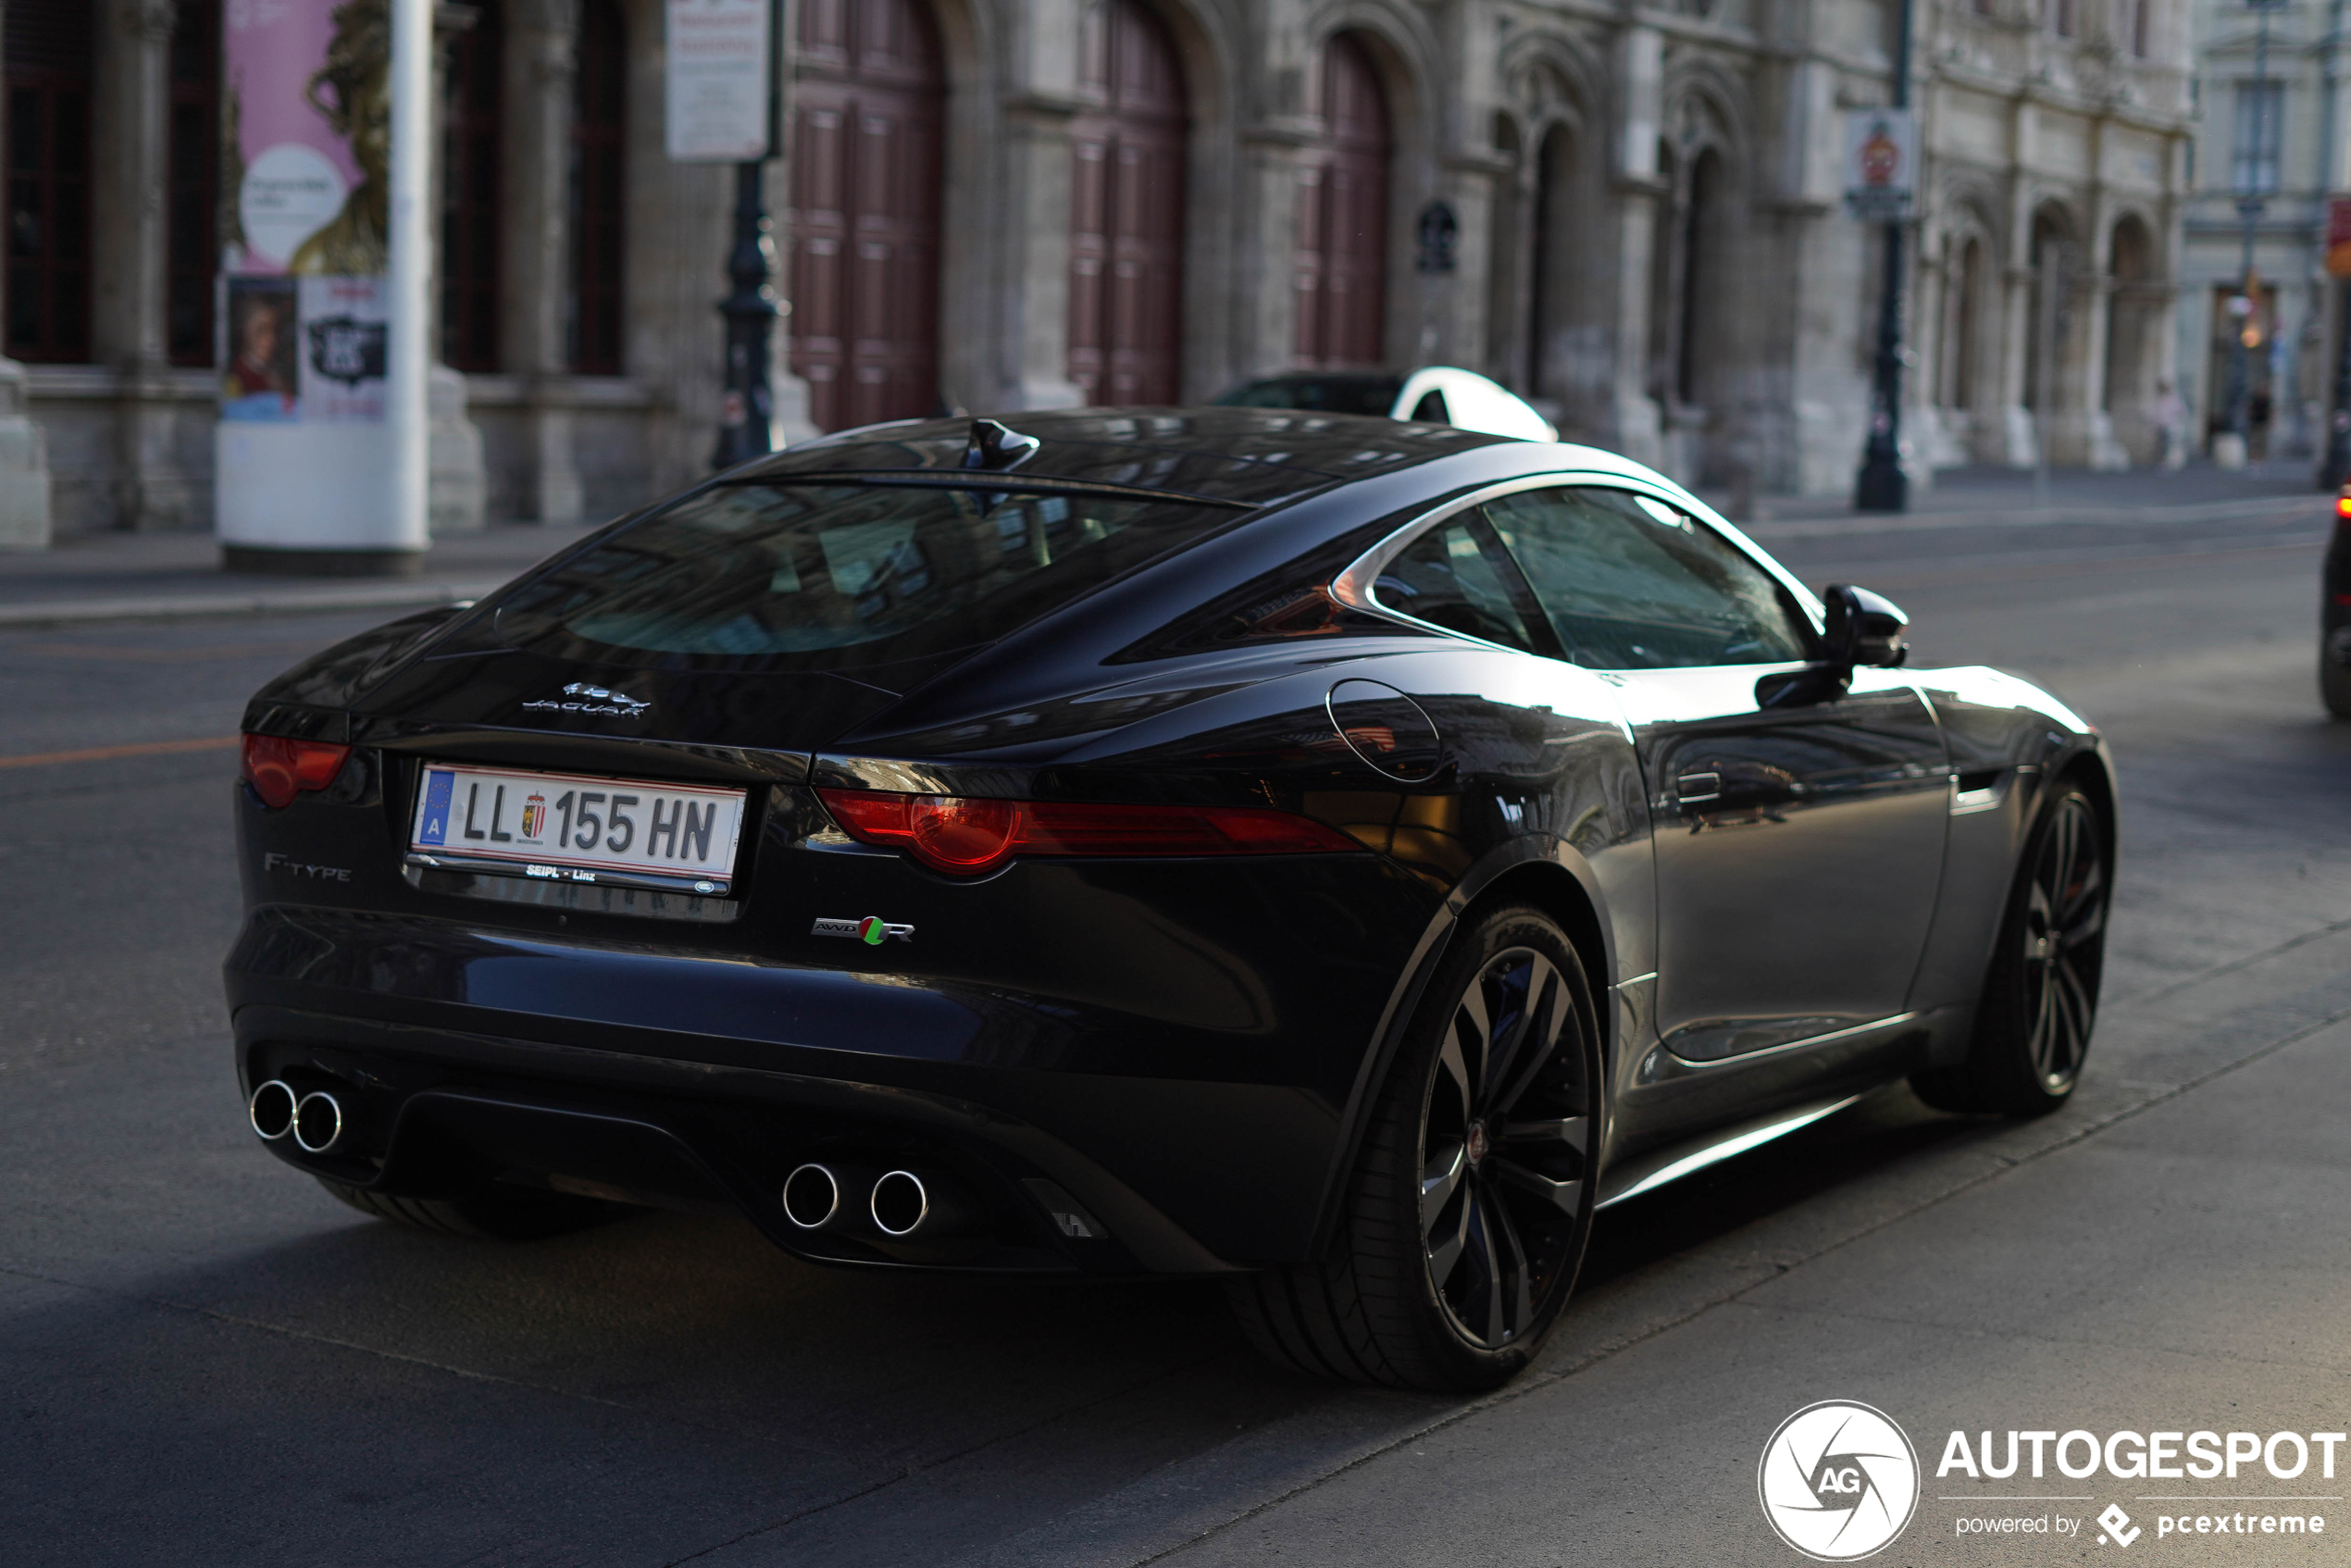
{"type": "Point", "coordinates": [2064, 944]}
{"type": "Point", "coordinates": [1505, 1144]}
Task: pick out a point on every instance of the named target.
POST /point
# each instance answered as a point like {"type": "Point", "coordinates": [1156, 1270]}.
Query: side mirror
{"type": "Point", "coordinates": [1865, 628]}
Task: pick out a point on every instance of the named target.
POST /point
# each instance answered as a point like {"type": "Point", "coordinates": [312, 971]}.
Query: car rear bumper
{"type": "Point", "coordinates": [468, 1053]}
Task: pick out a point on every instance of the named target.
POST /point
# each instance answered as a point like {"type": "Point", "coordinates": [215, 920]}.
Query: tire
{"type": "Point", "coordinates": [1453, 1290]}
{"type": "Point", "coordinates": [2335, 679]}
{"type": "Point", "coordinates": [494, 1213]}
{"type": "Point", "coordinates": [2040, 1000]}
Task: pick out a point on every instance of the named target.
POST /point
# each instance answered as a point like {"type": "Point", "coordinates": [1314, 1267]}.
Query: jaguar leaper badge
{"type": "Point", "coordinates": [873, 930]}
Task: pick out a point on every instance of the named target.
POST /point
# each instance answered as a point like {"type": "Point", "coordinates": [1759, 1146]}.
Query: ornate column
{"type": "Point", "coordinates": [24, 453]}
{"type": "Point", "coordinates": [129, 239]}
{"type": "Point", "coordinates": [541, 59]}
{"type": "Point", "coordinates": [1638, 430]}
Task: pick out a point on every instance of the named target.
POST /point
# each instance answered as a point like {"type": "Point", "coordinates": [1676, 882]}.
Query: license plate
{"type": "Point", "coordinates": [577, 828]}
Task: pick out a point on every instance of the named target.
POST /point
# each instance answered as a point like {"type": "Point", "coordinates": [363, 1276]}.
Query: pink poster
{"type": "Point", "coordinates": [309, 123]}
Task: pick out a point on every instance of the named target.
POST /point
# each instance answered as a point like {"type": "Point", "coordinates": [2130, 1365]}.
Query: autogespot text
{"type": "Point", "coordinates": [2131, 1456]}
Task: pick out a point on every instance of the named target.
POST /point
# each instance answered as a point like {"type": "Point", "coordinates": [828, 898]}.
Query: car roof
{"type": "Point", "coordinates": [1246, 456]}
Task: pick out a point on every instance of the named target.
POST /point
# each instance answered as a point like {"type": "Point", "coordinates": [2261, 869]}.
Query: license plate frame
{"type": "Point", "coordinates": [451, 821]}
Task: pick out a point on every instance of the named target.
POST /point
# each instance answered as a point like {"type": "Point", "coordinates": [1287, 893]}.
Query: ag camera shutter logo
{"type": "Point", "coordinates": [1839, 1481]}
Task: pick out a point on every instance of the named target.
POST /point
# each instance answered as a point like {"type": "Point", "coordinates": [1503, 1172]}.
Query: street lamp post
{"type": "Point", "coordinates": [2250, 206]}
{"type": "Point", "coordinates": [1881, 485]}
{"type": "Point", "coordinates": [747, 410]}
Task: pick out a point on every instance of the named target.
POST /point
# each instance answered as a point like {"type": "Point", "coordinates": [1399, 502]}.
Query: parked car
{"type": "Point", "coordinates": [1325, 853]}
{"type": "Point", "coordinates": [1438, 395]}
{"type": "Point", "coordinates": [2334, 613]}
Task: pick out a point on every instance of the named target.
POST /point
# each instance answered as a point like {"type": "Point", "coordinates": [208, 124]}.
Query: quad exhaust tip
{"type": "Point", "coordinates": [900, 1203]}
{"type": "Point", "coordinates": [271, 1110]}
{"type": "Point", "coordinates": [897, 1205]}
{"type": "Point", "coordinates": [811, 1197]}
{"type": "Point", "coordinates": [318, 1122]}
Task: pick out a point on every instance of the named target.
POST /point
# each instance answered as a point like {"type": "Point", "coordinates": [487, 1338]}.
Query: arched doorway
{"type": "Point", "coordinates": [1342, 216]}
{"type": "Point", "coordinates": [1126, 211]}
{"type": "Point", "coordinates": [864, 270]}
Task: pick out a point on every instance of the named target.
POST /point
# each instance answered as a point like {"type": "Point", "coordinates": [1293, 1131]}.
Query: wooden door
{"type": "Point", "coordinates": [1126, 212]}
{"type": "Point", "coordinates": [863, 269]}
{"type": "Point", "coordinates": [1342, 217]}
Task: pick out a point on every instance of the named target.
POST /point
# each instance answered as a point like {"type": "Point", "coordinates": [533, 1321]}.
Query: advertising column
{"type": "Point", "coordinates": [304, 449]}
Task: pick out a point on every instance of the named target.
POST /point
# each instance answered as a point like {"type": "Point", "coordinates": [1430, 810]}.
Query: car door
{"type": "Point", "coordinates": [1797, 849]}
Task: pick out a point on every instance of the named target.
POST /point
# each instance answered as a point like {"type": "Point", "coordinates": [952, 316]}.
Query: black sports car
{"type": "Point", "coordinates": [1331, 854]}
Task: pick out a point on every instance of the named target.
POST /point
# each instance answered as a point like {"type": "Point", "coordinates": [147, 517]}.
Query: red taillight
{"type": "Point", "coordinates": [2343, 502]}
{"type": "Point", "coordinates": [955, 834]}
{"type": "Point", "coordinates": [279, 770]}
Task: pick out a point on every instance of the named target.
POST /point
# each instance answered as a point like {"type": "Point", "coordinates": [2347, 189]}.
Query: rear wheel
{"type": "Point", "coordinates": [2040, 996]}
{"type": "Point", "coordinates": [494, 1213]}
{"type": "Point", "coordinates": [1471, 1202]}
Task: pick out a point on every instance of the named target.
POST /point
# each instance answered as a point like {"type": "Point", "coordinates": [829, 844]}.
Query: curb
{"type": "Point", "coordinates": [190, 606]}
{"type": "Point", "coordinates": [2317, 509]}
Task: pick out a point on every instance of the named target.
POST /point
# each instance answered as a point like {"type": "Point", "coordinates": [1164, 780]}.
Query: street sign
{"type": "Point", "coordinates": [719, 55]}
{"type": "Point", "coordinates": [2339, 236]}
{"type": "Point", "coordinates": [1881, 164]}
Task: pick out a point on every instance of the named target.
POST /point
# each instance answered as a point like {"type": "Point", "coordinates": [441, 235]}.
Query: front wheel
{"type": "Point", "coordinates": [2040, 997]}
{"type": "Point", "coordinates": [1471, 1202]}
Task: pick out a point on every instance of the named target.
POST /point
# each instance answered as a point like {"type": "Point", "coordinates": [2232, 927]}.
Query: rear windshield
{"type": "Point", "coordinates": [1321, 394]}
{"type": "Point", "coordinates": [833, 575]}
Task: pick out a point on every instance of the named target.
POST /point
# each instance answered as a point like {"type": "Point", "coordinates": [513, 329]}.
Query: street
{"type": "Point", "coordinates": [207, 1359]}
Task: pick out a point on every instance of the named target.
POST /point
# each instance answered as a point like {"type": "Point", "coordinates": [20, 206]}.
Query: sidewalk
{"type": "Point", "coordinates": [1983, 495]}
{"type": "Point", "coordinates": [176, 575]}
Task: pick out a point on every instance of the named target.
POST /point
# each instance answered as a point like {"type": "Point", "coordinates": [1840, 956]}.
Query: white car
{"type": "Point", "coordinates": [1436, 394]}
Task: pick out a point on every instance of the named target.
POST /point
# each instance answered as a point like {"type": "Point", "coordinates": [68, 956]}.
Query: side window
{"type": "Point", "coordinates": [1632, 584]}
{"type": "Point", "coordinates": [1431, 410]}
{"type": "Point", "coordinates": [1449, 579]}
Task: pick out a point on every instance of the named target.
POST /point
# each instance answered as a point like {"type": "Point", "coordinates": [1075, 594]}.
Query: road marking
{"type": "Point", "coordinates": [106, 753]}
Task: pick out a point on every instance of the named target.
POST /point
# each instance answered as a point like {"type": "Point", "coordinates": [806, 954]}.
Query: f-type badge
{"type": "Point", "coordinates": [873, 930]}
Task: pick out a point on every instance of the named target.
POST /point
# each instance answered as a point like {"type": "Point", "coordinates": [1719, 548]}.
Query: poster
{"type": "Point", "coordinates": [302, 451]}
{"type": "Point", "coordinates": [309, 121]}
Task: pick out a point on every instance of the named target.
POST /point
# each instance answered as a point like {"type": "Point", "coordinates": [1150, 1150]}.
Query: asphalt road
{"type": "Point", "coordinates": [205, 1360]}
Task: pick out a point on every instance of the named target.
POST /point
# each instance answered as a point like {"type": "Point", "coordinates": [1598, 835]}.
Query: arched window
{"type": "Point", "coordinates": [1126, 211]}
{"type": "Point", "coordinates": [192, 198]}
{"type": "Point", "coordinates": [469, 206]}
{"type": "Point", "coordinates": [864, 214]}
{"type": "Point", "coordinates": [599, 163]}
{"type": "Point", "coordinates": [48, 86]}
{"type": "Point", "coordinates": [1341, 267]}
{"type": "Point", "coordinates": [1551, 309]}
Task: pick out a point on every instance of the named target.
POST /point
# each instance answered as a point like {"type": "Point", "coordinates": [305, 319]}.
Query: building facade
{"type": "Point", "coordinates": [1629, 212]}
{"type": "Point", "coordinates": [2269, 148]}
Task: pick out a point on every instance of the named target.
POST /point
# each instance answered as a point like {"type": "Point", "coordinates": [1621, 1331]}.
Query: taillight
{"type": "Point", "coordinates": [279, 770]}
{"type": "Point", "coordinates": [956, 834]}
{"type": "Point", "coordinates": [2343, 502]}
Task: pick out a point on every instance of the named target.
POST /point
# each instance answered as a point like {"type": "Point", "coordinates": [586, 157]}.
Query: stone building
{"type": "Point", "coordinates": [2269, 148]}
{"type": "Point", "coordinates": [1629, 212]}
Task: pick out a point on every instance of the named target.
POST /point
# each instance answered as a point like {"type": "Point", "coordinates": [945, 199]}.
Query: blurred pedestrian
{"type": "Point", "coordinates": [2172, 424]}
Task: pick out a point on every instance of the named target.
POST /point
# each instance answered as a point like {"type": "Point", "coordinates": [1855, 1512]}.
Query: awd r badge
{"type": "Point", "coordinates": [873, 930]}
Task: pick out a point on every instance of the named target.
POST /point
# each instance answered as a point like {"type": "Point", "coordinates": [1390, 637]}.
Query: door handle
{"type": "Point", "coordinates": [1697, 788]}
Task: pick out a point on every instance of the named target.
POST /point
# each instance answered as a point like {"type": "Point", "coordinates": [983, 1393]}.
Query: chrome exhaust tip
{"type": "Point", "coordinates": [318, 1122]}
{"type": "Point", "coordinates": [271, 1110]}
{"type": "Point", "coordinates": [811, 1197]}
{"type": "Point", "coordinates": [907, 1204]}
